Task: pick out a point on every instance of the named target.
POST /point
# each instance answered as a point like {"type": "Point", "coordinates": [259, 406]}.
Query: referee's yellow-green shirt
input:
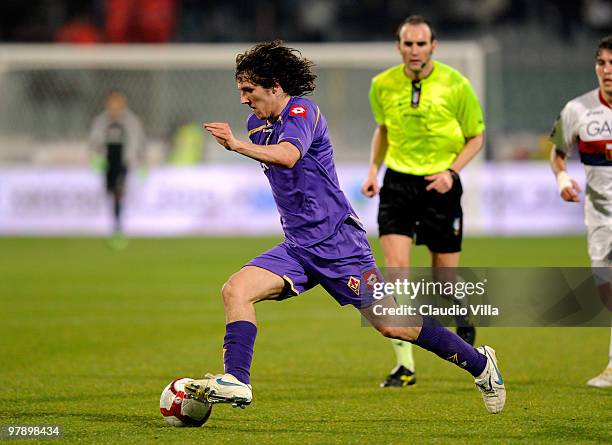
{"type": "Point", "coordinates": [425, 139]}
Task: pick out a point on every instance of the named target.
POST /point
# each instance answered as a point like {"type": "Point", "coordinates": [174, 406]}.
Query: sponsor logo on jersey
{"type": "Point", "coordinates": [297, 110]}
{"type": "Point", "coordinates": [371, 278]}
{"type": "Point", "coordinates": [353, 284]}
{"type": "Point", "coordinates": [598, 128]}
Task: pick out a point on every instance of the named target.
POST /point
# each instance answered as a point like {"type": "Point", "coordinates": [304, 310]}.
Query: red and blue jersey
{"type": "Point", "coordinates": [586, 122]}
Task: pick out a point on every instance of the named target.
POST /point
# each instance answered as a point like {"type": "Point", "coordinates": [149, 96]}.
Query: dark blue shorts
{"type": "Point", "coordinates": [343, 264]}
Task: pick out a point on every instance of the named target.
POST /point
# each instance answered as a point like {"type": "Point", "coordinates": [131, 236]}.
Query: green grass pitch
{"type": "Point", "coordinates": [90, 336]}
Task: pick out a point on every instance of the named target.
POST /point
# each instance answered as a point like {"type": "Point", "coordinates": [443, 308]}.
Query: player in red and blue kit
{"type": "Point", "coordinates": [325, 242]}
{"type": "Point", "coordinates": [585, 123]}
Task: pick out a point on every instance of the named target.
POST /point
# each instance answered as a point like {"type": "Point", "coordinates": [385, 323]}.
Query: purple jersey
{"type": "Point", "coordinates": [308, 197]}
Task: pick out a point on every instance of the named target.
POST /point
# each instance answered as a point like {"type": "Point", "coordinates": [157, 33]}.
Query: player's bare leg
{"type": "Point", "coordinates": [604, 380]}
{"type": "Point", "coordinates": [603, 273]}
{"type": "Point", "coordinates": [240, 293]}
{"type": "Point", "coordinates": [396, 249]}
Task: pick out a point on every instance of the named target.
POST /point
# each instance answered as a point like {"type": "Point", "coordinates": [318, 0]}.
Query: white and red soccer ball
{"type": "Point", "coordinates": [179, 410]}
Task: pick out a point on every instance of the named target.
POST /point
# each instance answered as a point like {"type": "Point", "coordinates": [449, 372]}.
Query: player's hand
{"type": "Point", "coordinates": [568, 188]}
{"type": "Point", "coordinates": [440, 182]}
{"type": "Point", "coordinates": [570, 194]}
{"type": "Point", "coordinates": [222, 132]}
{"type": "Point", "coordinates": [370, 187]}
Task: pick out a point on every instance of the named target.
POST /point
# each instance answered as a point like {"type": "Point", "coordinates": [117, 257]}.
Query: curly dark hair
{"type": "Point", "coordinates": [271, 62]}
{"type": "Point", "coordinates": [605, 43]}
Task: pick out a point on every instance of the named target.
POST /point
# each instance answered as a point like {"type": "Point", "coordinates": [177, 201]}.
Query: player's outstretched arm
{"type": "Point", "coordinates": [378, 150]}
{"type": "Point", "coordinates": [568, 187]}
{"type": "Point", "coordinates": [283, 154]}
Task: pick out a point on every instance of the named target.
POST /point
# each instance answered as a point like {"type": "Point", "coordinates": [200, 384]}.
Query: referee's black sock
{"type": "Point", "coordinates": [117, 207]}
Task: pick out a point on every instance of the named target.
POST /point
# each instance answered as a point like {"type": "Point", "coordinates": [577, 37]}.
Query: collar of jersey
{"type": "Point", "coordinates": [602, 99]}
{"type": "Point", "coordinates": [283, 113]}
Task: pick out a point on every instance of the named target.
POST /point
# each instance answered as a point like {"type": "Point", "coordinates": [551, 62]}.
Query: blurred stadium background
{"type": "Point", "coordinates": [174, 60]}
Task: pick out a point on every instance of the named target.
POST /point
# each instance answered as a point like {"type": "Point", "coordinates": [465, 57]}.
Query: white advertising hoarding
{"type": "Point", "coordinates": [499, 199]}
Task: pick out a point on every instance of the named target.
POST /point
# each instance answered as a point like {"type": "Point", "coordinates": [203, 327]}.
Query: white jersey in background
{"type": "Point", "coordinates": [586, 122]}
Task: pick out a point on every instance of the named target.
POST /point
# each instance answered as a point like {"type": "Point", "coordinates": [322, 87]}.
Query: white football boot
{"type": "Point", "coordinates": [491, 383]}
{"type": "Point", "coordinates": [603, 380]}
{"type": "Point", "coordinates": [220, 388]}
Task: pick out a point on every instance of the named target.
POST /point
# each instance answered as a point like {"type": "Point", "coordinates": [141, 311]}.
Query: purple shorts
{"type": "Point", "coordinates": [343, 264]}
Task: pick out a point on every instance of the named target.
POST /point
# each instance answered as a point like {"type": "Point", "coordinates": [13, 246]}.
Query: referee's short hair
{"type": "Point", "coordinates": [415, 20]}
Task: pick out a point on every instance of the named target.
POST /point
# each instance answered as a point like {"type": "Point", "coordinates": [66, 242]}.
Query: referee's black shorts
{"type": "Point", "coordinates": [429, 217]}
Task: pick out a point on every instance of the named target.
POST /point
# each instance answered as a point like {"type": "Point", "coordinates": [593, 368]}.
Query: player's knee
{"type": "Point", "coordinates": [232, 293]}
{"type": "Point", "coordinates": [388, 331]}
{"type": "Point", "coordinates": [398, 332]}
{"type": "Point", "coordinates": [396, 260]}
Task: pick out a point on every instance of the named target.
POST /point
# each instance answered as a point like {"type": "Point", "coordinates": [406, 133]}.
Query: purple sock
{"type": "Point", "coordinates": [449, 346]}
{"type": "Point", "coordinates": [238, 349]}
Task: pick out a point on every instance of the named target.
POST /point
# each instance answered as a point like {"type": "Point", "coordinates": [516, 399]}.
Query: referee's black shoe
{"type": "Point", "coordinates": [467, 333]}
{"type": "Point", "coordinates": [399, 377]}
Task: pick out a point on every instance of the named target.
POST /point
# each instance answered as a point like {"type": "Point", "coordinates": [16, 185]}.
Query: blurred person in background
{"type": "Point", "coordinates": [429, 126]}
{"type": "Point", "coordinates": [118, 140]}
{"type": "Point", "coordinates": [584, 123]}
{"type": "Point", "coordinates": [187, 145]}
{"type": "Point", "coordinates": [79, 27]}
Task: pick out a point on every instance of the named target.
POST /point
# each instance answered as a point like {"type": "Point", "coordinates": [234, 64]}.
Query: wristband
{"type": "Point", "coordinates": [564, 180]}
{"type": "Point", "coordinates": [454, 174]}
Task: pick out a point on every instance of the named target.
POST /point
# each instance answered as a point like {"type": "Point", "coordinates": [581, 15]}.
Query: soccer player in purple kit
{"type": "Point", "coordinates": [325, 242]}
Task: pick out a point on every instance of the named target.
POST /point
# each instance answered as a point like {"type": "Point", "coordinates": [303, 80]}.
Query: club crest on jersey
{"type": "Point", "coordinates": [297, 110]}
{"type": "Point", "coordinates": [353, 284]}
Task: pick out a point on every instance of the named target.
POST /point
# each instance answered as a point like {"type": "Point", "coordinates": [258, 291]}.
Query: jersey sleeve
{"type": "Point", "coordinates": [562, 133]}
{"type": "Point", "coordinates": [375, 104]}
{"type": "Point", "coordinates": [299, 128]}
{"type": "Point", "coordinates": [252, 127]}
{"type": "Point", "coordinates": [469, 111]}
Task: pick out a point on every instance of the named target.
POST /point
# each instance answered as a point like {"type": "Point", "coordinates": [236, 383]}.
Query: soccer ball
{"type": "Point", "coordinates": [179, 410]}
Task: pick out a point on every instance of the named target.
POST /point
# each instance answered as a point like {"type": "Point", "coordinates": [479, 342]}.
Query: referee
{"type": "Point", "coordinates": [429, 126]}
